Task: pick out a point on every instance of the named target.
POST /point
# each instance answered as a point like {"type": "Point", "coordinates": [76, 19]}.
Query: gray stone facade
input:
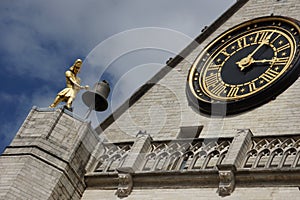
{"type": "Point", "coordinates": [157, 147]}
{"type": "Point", "coordinates": [165, 105]}
{"type": "Point", "coordinates": [157, 105]}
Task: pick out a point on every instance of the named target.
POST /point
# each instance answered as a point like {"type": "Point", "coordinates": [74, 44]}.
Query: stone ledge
{"type": "Point", "coordinates": [268, 177]}
{"type": "Point", "coordinates": [196, 179]}
{"type": "Point", "coordinates": [46, 109]}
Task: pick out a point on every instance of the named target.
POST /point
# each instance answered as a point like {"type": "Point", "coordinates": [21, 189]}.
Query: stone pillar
{"type": "Point", "coordinates": [233, 160]}
{"type": "Point", "coordinates": [132, 163]}
{"type": "Point", "coordinates": [48, 156]}
{"type": "Point", "coordinates": [136, 156]}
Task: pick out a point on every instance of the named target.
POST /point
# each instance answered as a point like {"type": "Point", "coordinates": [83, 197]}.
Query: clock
{"type": "Point", "coordinates": [246, 66]}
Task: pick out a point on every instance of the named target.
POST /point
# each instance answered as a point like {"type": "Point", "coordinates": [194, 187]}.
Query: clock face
{"type": "Point", "coordinates": [246, 66]}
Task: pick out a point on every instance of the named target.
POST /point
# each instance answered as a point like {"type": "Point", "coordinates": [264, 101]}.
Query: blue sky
{"type": "Point", "coordinates": [125, 42]}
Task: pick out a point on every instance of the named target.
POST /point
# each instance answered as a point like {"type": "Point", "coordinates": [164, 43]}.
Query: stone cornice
{"type": "Point", "coordinates": [197, 179]}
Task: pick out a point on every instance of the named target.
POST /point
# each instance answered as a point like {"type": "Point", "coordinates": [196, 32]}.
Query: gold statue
{"type": "Point", "coordinates": [73, 86]}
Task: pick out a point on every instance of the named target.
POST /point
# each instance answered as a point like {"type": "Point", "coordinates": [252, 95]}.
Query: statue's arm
{"type": "Point", "coordinates": [69, 76]}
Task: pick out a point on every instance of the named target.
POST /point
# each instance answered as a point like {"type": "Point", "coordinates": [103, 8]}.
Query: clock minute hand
{"type": "Point", "coordinates": [247, 61]}
{"type": "Point", "coordinates": [264, 41]}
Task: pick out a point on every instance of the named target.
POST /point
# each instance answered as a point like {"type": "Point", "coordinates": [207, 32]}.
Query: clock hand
{"type": "Point", "coordinates": [247, 61]}
{"type": "Point", "coordinates": [264, 61]}
{"type": "Point", "coordinates": [264, 41]}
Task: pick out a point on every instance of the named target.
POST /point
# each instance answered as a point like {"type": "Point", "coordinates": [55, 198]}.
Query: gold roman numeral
{"type": "Point", "coordinates": [233, 92]}
{"type": "Point", "coordinates": [286, 46]}
{"type": "Point", "coordinates": [275, 39]}
{"type": "Point", "coordinates": [211, 80]}
{"type": "Point", "coordinates": [225, 53]}
{"type": "Point", "coordinates": [218, 88]}
{"type": "Point", "coordinates": [269, 75]}
{"type": "Point", "coordinates": [252, 87]}
{"type": "Point", "coordinates": [263, 36]}
{"type": "Point", "coordinates": [256, 38]}
{"type": "Point", "coordinates": [282, 61]}
{"type": "Point", "coordinates": [213, 67]}
{"type": "Point", "coordinates": [242, 42]}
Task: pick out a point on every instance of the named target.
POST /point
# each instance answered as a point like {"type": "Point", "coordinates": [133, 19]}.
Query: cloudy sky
{"type": "Point", "coordinates": [123, 41]}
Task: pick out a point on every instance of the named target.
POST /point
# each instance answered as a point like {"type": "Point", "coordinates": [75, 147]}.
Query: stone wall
{"type": "Point", "coordinates": [164, 108]}
{"type": "Point", "coordinates": [47, 158]}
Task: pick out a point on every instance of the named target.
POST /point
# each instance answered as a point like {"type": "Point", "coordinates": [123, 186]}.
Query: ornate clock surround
{"type": "Point", "coordinates": [246, 66]}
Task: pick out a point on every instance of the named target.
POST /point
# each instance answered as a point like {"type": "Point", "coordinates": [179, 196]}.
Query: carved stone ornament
{"type": "Point", "coordinates": [227, 182]}
{"type": "Point", "coordinates": [125, 185]}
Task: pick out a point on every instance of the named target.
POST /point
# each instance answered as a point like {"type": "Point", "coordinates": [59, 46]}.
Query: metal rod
{"type": "Point", "coordinates": [89, 111]}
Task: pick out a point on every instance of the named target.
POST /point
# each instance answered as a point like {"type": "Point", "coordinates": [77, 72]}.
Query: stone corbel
{"type": "Point", "coordinates": [227, 179]}
{"type": "Point", "coordinates": [125, 184]}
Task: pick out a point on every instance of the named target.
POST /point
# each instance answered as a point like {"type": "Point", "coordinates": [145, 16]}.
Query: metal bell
{"type": "Point", "coordinates": [96, 99]}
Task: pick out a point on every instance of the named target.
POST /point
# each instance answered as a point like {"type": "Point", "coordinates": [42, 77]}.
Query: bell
{"type": "Point", "coordinates": [96, 99]}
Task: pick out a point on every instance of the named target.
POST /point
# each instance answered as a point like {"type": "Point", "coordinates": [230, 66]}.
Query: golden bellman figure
{"type": "Point", "coordinates": [73, 86]}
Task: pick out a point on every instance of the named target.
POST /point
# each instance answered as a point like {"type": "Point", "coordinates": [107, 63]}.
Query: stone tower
{"type": "Point", "coordinates": [156, 146]}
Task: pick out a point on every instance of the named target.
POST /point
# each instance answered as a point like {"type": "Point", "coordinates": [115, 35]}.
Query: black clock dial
{"type": "Point", "coordinates": [246, 66]}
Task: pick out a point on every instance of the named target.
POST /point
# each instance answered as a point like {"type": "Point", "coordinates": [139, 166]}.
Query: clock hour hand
{"type": "Point", "coordinates": [264, 61]}
{"type": "Point", "coordinates": [245, 63]}
{"type": "Point", "coordinates": [272, 61]}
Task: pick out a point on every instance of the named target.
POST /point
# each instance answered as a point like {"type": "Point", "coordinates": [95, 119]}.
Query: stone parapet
{"type": "Point", "coordinates": [221, 163]}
